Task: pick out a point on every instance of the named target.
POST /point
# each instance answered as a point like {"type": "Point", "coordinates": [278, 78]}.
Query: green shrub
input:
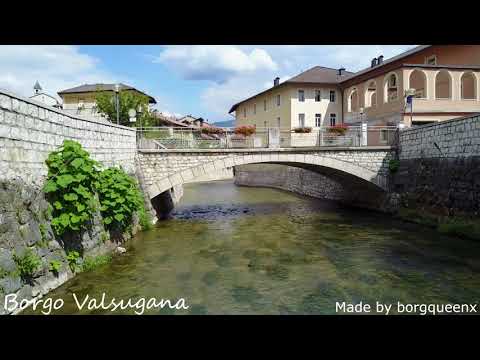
{"type": "Point", "coordinates": [119, 197]}
{"type": "Point", "coordinates": [393, 165]}
{"type": "Point", "coordinates": [145, 218]}
{"type": "Point", "coordinates": [70, 186]}
{"type": "Point", "coordinates": [73, 181]}
{"type": "Point", "coordinates": [103, 237]}
{"type": "Point", "coordinates": [43, 233]}
{"type": "Point", "coordinates": [27, 264]}
{"type": "Point", "coordinates": [55, 266]}
{"type": "Point", "coordinates": [91, 263]}
{"type": "Point", "coordinates": [72, 258]}
{"type": "Point", "coordinates": [3, 273]}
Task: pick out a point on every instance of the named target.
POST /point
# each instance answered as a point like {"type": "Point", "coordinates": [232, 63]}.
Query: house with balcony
{"type": "Point", "coordinates": [427, 83]}
{"type": "Point", "coordinates": [80, 100]}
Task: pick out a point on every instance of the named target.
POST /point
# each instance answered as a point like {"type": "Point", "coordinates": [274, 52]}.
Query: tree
{"type": "Point", "coordinates": [127, 100]}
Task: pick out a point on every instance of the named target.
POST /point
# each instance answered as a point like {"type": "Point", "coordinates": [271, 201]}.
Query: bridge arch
{"type": "Point", "coordinates": [322, 164]}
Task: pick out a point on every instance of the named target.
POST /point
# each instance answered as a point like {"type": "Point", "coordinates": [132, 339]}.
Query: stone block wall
{"type": "Point", "coordinates": [447, 139]}
{"type": "Point", "coordinates": [30, 130]}
{"type": "Point", "coordinates": [297, 180]}
{"type": "Point", "coordinates": [439, 171]}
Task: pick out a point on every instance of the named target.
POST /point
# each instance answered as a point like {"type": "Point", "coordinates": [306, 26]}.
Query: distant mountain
{"type": "Point", "coordinates": [228, 123]}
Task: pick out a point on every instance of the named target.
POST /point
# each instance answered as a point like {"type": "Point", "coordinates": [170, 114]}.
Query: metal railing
{"type": "Point", "coordinates": [227, 138]}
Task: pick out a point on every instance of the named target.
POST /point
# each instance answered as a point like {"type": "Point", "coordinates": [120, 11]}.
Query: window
{"type": "Point", "coordinates": [383, 136]}
{"type": "Point", "coordinates": [278, 100]}
{"type": "Point", "coordinates": [333, 119]}
{"type": "Point", "coordinates": [318, 120]}
{"type": "Point", "coordinates": [431, 60]}
{"type": "Point", "coordinates": [254, 108]}
{"type": "Point", "coordinates": [244, 112]}
{"type": "Point", "coordinates": [392, 81]}
{"type": "Point", "coordinates": [332, 95]}
{"type": "Point", "coordinates": [301, 120]}
{"type": "Point", "coordinates": [390, 89]}
{"type": "Point", "coordinates": [264, 105]}
{"type": "Point", "coordinates": [301, 95]}
{"type": "Point", "coordinates": [317, 95]}
{"type": "Point", "coordinates": [278, 122]}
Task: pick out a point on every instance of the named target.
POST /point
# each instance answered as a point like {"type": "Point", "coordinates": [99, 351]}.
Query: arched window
{"type": "Point", "coordinates": [418, 81]}
{"type": "Point", "coordinates": [469, 88]}
{"type": "Point", "coordinates": [443, 85]}
{"type": "Point", "coordinates": [371, 94]}
{"type": "Point", "coordinates": [391, 88]}
{"type": "Point", "coordinates": [353, 105]}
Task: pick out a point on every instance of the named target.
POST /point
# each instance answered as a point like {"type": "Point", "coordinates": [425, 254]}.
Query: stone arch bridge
{"type": "Point", "coordinates": [363, 170]}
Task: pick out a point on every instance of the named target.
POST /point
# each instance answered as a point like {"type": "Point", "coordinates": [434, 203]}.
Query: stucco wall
{"type": "Point", "coordinates": [30, 130]}
{"type": "Point", "coordinates": [290, 107]}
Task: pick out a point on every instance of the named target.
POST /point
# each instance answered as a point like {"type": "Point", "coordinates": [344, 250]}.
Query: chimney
{"type": "Point", "coordinates": [374, 62]}
{"type": "Point", "coordinates": [276, 81]}
{"type": "Point", "coordinates": [380, 59]}
{"type": "Point", "coordinates": [340, 71]}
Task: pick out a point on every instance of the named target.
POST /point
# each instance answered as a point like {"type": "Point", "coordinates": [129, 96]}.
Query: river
{"type": "Point", "coordinates": [239, 250]}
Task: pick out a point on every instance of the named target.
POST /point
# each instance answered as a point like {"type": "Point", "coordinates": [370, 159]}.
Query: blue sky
{"type": "Point", "coordinates": [199, 80]}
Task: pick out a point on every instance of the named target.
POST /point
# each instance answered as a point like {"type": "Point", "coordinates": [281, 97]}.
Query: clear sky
{"type": "Point", "coordinates": [199, 80]}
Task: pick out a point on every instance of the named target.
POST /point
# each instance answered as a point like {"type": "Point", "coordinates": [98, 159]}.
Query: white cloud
{"type": "Point", "coordinates": [55, 67]}
{"type": "Point", "coordinates": [215, 63]}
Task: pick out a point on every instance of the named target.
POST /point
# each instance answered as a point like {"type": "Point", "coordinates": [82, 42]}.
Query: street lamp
{"type": "Point", "coordinates": [117, 90]}
{"type": "Point", "coordinates": [410, 94]}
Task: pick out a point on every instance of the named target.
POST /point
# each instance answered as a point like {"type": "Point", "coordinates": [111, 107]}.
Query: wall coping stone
{"type": "Point", "coordinates": [440, 123]}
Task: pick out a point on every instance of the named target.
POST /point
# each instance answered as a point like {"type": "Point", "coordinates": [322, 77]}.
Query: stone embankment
{"type": "Point", "coordinates": [439, 170]}
{"type": "Point", "coordinates": [29, 131]}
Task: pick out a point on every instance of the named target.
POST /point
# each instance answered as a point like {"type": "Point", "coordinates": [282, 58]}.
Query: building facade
{"type": "Point", "coordinates": [298, 102]}
{"type": "Point", "coordinates": [428, 83]}
{"type": "Point", "coordinates": [80, 100]}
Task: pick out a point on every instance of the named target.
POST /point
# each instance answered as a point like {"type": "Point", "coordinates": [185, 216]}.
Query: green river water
{"type": "Point", "coordinates": [239, 250]}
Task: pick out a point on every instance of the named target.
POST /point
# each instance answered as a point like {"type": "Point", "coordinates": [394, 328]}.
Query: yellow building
{"type": "Point", "coordinates": [444, 81]}
{"type": "Point", "coordinates": [311, 99]}
{"type": "Point", "coordinates": [80, 100]}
